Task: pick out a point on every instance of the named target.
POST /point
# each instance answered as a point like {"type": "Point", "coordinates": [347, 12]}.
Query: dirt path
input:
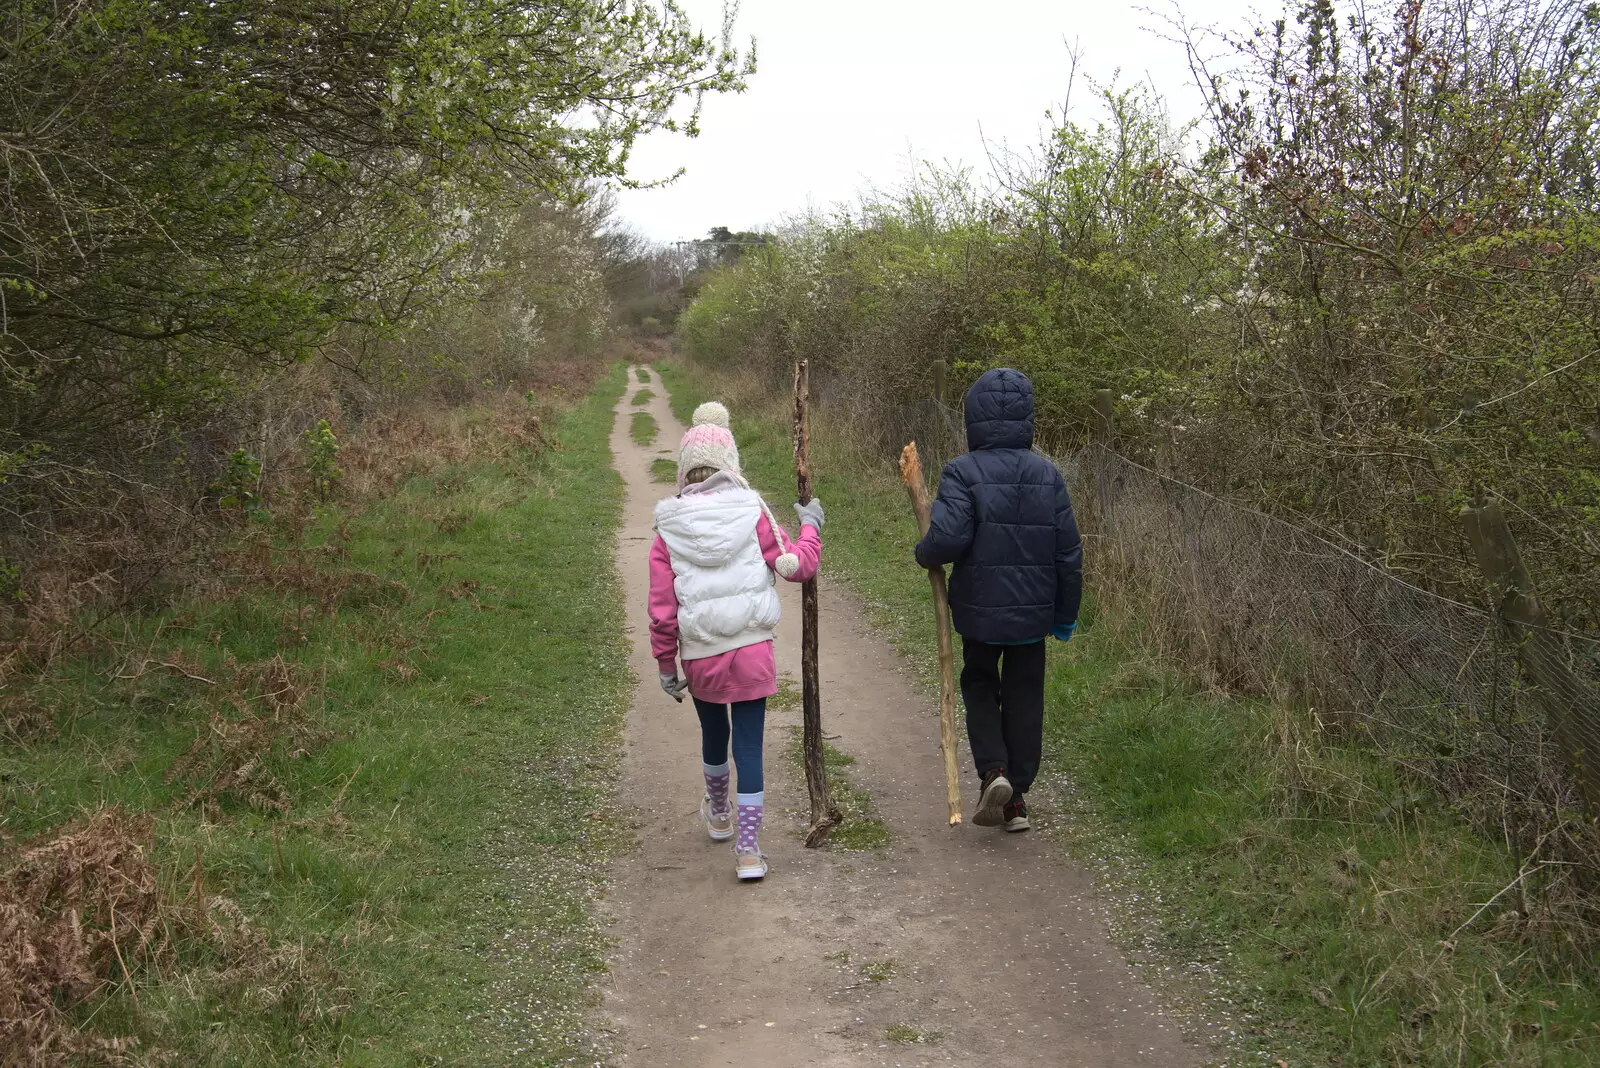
{"type": "Point", "coordinates": [994, 943]}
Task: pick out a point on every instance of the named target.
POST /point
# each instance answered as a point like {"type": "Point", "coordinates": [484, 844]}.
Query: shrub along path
{"type": "Point", "coordinates": [942, 945]}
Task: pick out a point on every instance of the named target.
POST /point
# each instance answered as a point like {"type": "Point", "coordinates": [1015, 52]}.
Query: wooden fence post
{"type": "Point", "coordinates": [940, 424]}
{"type": "Point", "coordinates": [1104, 421]}
{"type": "Point", "coordinates": [1564, 697]}
{"type": "Point", "coordinates": [1104, 431]}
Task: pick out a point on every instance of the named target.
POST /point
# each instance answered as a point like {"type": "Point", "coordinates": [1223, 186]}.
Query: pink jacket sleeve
{"type": "Point", "coordinates": [663, 609]}
{"type": "Point", "coordinates": [775, 542]}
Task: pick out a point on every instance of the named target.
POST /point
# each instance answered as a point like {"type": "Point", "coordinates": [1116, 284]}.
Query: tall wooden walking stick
{"type": "Point", "coordinates": [824, 814]}
{"type": "Point", "coordinates": [911, 475]}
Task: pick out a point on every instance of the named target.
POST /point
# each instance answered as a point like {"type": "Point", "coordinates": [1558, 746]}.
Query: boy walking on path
{"type": "Point", "coordinates": [1004, 519]}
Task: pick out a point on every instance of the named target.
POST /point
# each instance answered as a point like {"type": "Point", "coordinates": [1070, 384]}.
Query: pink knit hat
{"type": "Point", "coordinates": [708, 443]}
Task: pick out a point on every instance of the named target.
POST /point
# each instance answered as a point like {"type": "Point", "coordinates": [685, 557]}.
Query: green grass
{"type": "Point", "coordinates": [1315, 893]}
{"type": "Point", "coordinates": [878, 971]}
{"type": "Point", "coordinates": [428, 890]}
{"type": "Point", "coordinates": [907, 1035]}
{"type": "Point", "coordinates": [664, 470]}
{"type": "Point", "coordinates": [859, 829]}
{"type": "Point", "coordinates": [860, 833]}
{"type": "Point", "coordinates": [643, 429]}
{"type": "Point", "coordinates": [644, 396]}
{"type": "Point", "coordinates": [644, 375]}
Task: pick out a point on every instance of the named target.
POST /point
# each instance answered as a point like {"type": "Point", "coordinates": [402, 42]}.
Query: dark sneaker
{"type": "Point", "coordinates": [992, 800]}
{"type": "Point", "coordinates": [1016, 816]}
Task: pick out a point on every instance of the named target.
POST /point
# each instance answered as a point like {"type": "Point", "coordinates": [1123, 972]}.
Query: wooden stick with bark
{"type": "Point", "coordinates": [824, 814]}
{"type": "Point", "coordinates": [911, 475]}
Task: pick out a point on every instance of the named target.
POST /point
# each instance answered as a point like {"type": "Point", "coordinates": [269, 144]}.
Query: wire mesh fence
{"type": "Point", "coordinates": [1505, 717]}
{"type": "Point", "coordinates": [939, 430]}
{"type": "Point", "coordinates": [1502, 717]}
{"type": "Point", "coordinates": [1499, 716]}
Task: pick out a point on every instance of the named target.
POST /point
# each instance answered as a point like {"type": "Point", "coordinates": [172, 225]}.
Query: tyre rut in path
{"type": "Point", "coordinates": [993, 941]}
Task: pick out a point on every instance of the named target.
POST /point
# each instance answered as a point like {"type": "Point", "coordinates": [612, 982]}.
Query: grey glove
{"type": "Point", "coordinates": [674, 686]}
{"type": "Point", "coordinates": [810, 514]}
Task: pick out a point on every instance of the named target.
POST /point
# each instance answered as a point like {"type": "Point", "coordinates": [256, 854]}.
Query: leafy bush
{"type": "Point", "coordinates": [323, 450]}
{"type": "Point", "coordinates": [217, 217]}
{"type": "Point", "coordinates": [240, 482]}
{"type": "Point", "coordinates": [1361, 295]}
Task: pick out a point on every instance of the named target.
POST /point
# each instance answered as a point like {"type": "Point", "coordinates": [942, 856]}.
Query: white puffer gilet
{"type": "Point", "coordinates": [726, 594]}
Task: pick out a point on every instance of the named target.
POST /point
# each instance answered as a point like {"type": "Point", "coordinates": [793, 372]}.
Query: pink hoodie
{"type": "Point", "coordinates": [740, 674]}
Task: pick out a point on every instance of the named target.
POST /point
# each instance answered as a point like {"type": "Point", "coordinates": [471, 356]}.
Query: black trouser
{"type": "Point", "coordinates": [1003, 686]}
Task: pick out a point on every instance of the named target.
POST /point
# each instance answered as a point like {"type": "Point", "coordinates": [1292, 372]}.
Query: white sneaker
{"type": "Point", "coordinates": [720, 828]}
{"type": "Point", "coordinates": [750, 865]}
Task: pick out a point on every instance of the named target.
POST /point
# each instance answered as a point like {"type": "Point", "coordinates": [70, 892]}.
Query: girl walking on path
{"type": "Point", "coordinates": [713, 599]}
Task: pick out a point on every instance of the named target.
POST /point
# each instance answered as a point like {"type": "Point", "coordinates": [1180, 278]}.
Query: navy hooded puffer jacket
{"type": "Point", "coordinates": [1004, 519]}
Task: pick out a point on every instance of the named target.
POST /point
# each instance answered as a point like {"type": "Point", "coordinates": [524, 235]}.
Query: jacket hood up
{"type": "Point", "coordinates": [1000, 411]}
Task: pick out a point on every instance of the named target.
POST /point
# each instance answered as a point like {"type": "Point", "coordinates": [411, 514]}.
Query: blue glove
{"type": "Point", "coordinates": [1063, 631]}
{"type": "Point", "coordinates": [810, 513]}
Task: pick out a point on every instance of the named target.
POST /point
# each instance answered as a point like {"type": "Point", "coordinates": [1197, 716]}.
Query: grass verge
{"type": "Point", "coordinates": [644, 396]}
{"type": "Point", "coordinates": [663, 470]}
{"type": "Point", "coordinates": [371, 770]}
{"type": "Point", "coordinates": [1298, 899]}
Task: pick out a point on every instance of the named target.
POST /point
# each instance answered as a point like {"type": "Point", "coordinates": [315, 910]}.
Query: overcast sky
{"type": "Point", "coordinates": [847, 91]}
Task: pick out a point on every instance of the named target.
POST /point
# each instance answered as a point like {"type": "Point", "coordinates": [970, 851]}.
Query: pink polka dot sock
{"type": "Point", "coordinates": [750, 811]}
{"type": "Point", "coordinates": [717, 787]}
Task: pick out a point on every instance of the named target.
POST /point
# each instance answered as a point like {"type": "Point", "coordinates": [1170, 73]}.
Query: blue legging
{"type": "Point", "coordinates": [749, 720]}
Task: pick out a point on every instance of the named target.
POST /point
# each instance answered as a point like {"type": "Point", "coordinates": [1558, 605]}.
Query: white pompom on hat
{"type": "Point", "coordinates": [708, 443]}
{"type": "Point", "coordinates": [711, 413]}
